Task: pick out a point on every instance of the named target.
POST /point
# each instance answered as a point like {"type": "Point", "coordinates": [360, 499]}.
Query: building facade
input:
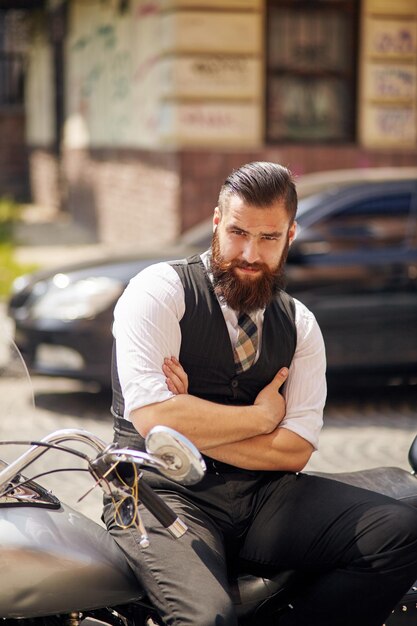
{"type": "Point", "coordinates": [136, 110]}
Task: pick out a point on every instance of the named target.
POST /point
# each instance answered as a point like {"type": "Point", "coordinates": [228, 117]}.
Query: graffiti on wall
{"type": "Point", "coordinates": [389, 80]}
{"type": "Point", "coordinates": [392, 125]}
{"type": "Point", "coordinates": [386, 82]}
{"type": "Point", "coordinates": [100, 82]}
{"type": "Point", "coordinates": [123, 67]}
{"type": "Point", "coordinates": [210, 76]}
{"type": "Point", "coordinates": [392, 38]}
{"type": "Point", "coordinates": [215, 123]}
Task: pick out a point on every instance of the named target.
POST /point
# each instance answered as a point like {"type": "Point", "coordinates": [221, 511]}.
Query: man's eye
{"type": "Point", "coordinates": [239, 233]}
{"type": "Point", "coordinates": [270, 237]}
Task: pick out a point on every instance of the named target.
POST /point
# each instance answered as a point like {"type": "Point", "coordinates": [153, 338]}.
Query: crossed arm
{"type": "Point", "coordinates": [246, 436]}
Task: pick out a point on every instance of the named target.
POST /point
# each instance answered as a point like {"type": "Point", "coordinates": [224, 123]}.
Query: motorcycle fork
{"type": "Point", "coordinates": [72, 619]}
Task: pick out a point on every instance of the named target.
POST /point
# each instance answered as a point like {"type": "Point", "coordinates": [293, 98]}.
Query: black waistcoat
{"type": "Point", "coordinates": [206, 352]}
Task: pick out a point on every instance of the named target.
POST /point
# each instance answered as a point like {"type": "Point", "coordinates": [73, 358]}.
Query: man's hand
{"type": "Point", "coordinates": [271, 399]}
{"type": "Point", "coordinates": [176, 377]}
{"type": "Point", "coordinates": [208, 423]}
{"type": "Point", "coordinates": [280, 449]}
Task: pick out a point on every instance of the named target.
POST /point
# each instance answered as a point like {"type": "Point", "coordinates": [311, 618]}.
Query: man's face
{"type": "Point", "coordinates": [250, 246]}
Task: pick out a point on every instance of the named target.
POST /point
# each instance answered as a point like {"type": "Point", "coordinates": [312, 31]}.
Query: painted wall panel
{"type": "Point", "coordinates": [391, 126]}
{"type": "Point", "coordinates": [391, 7]}
{"type": "Point", "coordinates": [211, 76]}
{"type": "Point", "coordinates": [189, 31]}
{"type": "Point", "coordinates": [210, 124]}
{"type": "Point", "coordinates": [391, 39]}
{"type": "Point", "coordinates": [390, 82]}
{"type": "Point", "coordinates": [388, 64]}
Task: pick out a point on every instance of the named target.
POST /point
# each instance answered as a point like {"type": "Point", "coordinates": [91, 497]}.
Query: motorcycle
{"type": "Point", "coordinates": [59, 567]}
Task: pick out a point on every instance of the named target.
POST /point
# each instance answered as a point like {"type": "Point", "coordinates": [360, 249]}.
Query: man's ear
{"type": "Point", "coordinates": [216, 218]}
{"type": "Point", "coordinates": [292, 232]}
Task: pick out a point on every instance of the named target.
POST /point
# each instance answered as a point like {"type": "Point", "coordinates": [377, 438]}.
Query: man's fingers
{"type": "Point", "coordinates": [172, 377]}
{"type": "Point", "coordinates": [178, 379]}
{"type": "Point", "coordinates": [281, 376]}
{"type": "Point", "coordinates": [171, 386]}
{"type": "Point", "coordinates": [175, 385]}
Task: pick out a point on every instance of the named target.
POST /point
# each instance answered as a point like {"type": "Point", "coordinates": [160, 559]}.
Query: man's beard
{"type": "Point", "coordinates": [245, 296]}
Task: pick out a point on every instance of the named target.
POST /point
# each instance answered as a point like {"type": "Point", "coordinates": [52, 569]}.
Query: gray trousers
{"type": "Point", "coordinates": [357, 548]}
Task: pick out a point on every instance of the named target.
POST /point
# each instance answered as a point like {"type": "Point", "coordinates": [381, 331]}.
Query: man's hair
{"type": "Point", "coordinates": [260, 184]}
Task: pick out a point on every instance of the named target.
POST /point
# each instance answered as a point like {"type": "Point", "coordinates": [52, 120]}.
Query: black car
{"type": "Point", "coordinates": [353, 263]}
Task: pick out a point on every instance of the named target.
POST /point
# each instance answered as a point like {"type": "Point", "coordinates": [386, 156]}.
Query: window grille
{"type": "Point", "coordinates": [311, 70]}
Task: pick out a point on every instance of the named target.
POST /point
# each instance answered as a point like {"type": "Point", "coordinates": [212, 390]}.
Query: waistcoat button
{"type": "Point", "coordinates": [235, 383]}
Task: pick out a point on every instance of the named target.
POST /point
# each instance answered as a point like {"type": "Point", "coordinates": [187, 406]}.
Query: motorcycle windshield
{"type": "Point", "coordinates": [24, 419]}
{"type": "Point", "coordinates": [16, 390]}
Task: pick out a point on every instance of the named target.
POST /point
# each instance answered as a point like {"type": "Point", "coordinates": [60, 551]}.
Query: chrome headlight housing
{"type": "Point", "coordinates": [61, 299]}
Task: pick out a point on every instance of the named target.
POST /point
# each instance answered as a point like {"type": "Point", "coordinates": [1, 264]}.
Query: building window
{"type": "Point", "coordinates": [311, 70]}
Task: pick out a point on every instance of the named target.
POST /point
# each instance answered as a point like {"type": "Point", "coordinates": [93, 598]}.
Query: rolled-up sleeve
{"type": "Point", "coordinates": [146, 328]}
{"type": "Point", "coordinates": [305, 389]}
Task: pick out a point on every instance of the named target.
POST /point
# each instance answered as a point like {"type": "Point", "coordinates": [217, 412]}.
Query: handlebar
{"type": "Point", "coordinates": [127, 455]}
{"type": "Point", "coordinates": [59, 436]}
{"type": "Point", "coordinates": [160, 509]}
{"type": "Point", "coordinates": [168, 452]}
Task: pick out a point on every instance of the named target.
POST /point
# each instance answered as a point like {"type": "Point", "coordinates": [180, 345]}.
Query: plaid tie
{"type": "Point", "coordinates": [247, 343]}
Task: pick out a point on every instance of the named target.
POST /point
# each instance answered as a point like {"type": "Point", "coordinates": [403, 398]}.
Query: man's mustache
{"type": "Point", "coordinates": [244, 265]}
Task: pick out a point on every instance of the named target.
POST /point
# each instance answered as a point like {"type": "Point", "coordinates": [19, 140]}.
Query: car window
{"type": "Point", "coordinates": [368, 224]}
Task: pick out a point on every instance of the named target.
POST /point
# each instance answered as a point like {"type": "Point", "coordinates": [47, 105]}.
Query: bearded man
{"type": "Point", "coordinates": [213, 347]}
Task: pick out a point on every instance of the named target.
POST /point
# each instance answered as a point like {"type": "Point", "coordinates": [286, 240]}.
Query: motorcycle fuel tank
{"type": "Point", "coordinates": [55, 560]}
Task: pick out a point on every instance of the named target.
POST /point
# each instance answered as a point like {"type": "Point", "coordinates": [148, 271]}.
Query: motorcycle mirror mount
{"type": "Point", "coordinates": [182, 461]}
{"type": "Point", "coordinates": [113, 454]}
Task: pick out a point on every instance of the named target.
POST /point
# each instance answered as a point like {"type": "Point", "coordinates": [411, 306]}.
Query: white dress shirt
{"type": "Point", "coordinates": [147, 330]}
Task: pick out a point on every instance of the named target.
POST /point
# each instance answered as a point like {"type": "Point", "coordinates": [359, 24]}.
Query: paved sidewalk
{"type": "Point", "coordinates": [367, 428]}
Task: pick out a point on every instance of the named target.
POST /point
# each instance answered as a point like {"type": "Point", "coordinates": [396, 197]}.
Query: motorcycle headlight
{"type": "Point", "coordinates": [82, 299]}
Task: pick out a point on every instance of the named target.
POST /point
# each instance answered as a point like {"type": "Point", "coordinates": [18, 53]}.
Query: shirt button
{"type": "Point", "coordinates": [235, 383]}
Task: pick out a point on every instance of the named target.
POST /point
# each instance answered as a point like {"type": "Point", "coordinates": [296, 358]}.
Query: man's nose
{"type": "Point", "coordinates": [251, 250]}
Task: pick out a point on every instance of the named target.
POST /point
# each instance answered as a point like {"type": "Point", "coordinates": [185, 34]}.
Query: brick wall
{"type": "Point", "coordinates": [203, 172]}
{"type": "Point", "coordinates": [45, 184]}
{"type": "Point", "coordinates": [131, 197]}
{"type": "Point", "coordinates": [145, 199]}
